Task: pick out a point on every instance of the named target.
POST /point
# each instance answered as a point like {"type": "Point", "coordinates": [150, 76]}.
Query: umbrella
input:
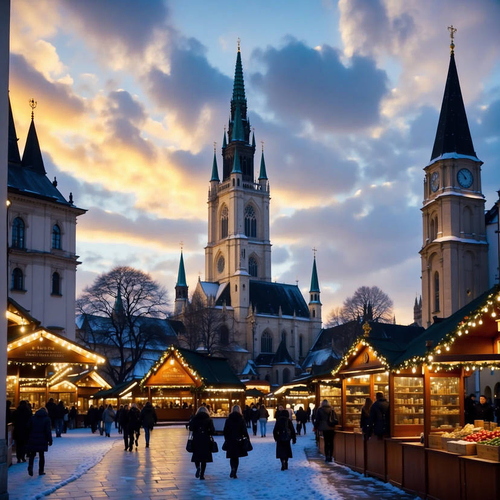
{"type": "Point", "coordinates": [255, 393]}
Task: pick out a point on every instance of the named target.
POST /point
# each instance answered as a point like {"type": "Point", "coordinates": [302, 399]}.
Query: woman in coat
{"type": "Point", "coordinates": [284, 433]}
{"type": "Point", "coordinates": [235, 431]}
{"type": "Point", "coordinates": [364, 422]}
{"type": "Point", "coordinates": [203, 429]}
{"type": "Point", "coordinates": [108, 417]}
{"type": "Point", "coordinates": [326, 420]}
{"type": "Point", "coordinates": [40, 438]}
{"type": "Point", "coordinates": [21, 419]}
{"type": "Point", "coordinates": [148, 420]}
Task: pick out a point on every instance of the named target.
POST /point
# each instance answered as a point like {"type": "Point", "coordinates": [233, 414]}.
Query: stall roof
{"type": "Point", "coordinates": [117, 390]}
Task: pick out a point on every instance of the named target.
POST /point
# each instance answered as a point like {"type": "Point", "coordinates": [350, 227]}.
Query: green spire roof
{"type": "Point", "coordinates": [263, 173]}
{"type": "Point", "coordinates": [118, 309]}
{"type": "Point", "coordinates": [236, 164]}
{"type": "Point", "coordinates": [224, 142]}
{"type": "Point", "coordinates": [253, 140]}
{"type": "Point", "coordinates": [181, 277]}
{"type": "Point", "coordinates": [238, 85]}
{"type": "Point", "coordinates": [314, 279]}
{"type": "Point", "coordinates": [215, 170]}
{"type": "Point", "coordinates": [238, 132]}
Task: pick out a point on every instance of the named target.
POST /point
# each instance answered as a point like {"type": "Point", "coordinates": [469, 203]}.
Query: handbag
{"type": "Point", "coordinates": [245, 444]}
{"type": "Point", "coordinates": [189, 444]}
{"type": "Point", "coordinates": [215, 446]}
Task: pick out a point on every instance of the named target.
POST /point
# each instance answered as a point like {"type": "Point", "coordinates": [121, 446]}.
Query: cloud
{"type": "Point", "coordinates": [319, 88]}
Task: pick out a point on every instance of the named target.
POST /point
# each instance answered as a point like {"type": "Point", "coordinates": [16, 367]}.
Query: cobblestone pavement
{"type": "Point", "coordinates": [165, 471]}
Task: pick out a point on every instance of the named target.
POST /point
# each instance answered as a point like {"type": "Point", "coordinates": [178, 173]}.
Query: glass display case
{"type": "Point", "coordinates": [381, 384]}
{"type": "Point", "coordinates": [357, 390]}
{"type": "Point", "coordinates": [408, 401]}
{"type": "Point", "coordinates": [334, 396]}
{"type": "Point", "coordinates": [445, 402]}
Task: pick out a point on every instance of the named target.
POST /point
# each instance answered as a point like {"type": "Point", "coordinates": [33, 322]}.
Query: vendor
{"type": "Point", "coordinates": [483, 411]}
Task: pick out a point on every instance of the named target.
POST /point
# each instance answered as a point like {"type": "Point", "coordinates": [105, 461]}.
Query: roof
{"type": "Point", "coordinates": [453, 134]}
{"type": "Point", "coordinates": [181, 275]}
{"type": "Point", "coordinates": [118, 389]}
{"type": "Point", "coordinates": [239, 84]}
{"type": "Point", "coordinates": [262, 173]}
{"type": "Point", "coordinates": [215, 170]}
{"type": "Point", "coordinates": [32, 156]}
{"type": "Point", "coordinates": [322, 359]}
{"type": "Point", "coordinates": [282, 356]}
{"type": "Point", "coordinates": [264, 359]}
{"type": "Point", "coordinates": [314, 279]}
{"type": "Point", "coordinates": [236, 164]}
{"type": "Point", "coordinates": [268, 297]}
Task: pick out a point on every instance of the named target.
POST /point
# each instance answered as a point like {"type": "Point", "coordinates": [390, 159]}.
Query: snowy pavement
{"type": "Point", "coordinates": [84, 466]}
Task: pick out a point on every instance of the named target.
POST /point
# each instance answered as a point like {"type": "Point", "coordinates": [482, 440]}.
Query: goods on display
{"type": "Point", "coordinates": [460, 433]}
{"type": "Point", "coordinates": [483, 435]}
{"type": "Point", "coordinates": [462, 447]}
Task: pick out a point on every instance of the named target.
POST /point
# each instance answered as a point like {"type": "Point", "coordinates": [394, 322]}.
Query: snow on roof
{"type": "Point", "coordinates": [454, 156]}
{"type": "Point", "coordinates": [210, 289]}
{"type": "Point", "coordinates": [318, 357]}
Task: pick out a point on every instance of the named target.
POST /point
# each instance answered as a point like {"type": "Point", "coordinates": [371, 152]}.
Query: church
{"type": "Point", "coordinates": [266, 328]}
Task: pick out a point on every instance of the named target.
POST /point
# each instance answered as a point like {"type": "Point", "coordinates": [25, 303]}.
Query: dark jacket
{"type": "Point", "coordinates": [134, 419]}
{"type": "Point", "coordinates": [124, 418]}
{"type": "Point", "coordinates": [484, 412]}
{"type": "Point", "coordinates": [263, 413]}
{"type": "Point", "coordinates": [284, 426]}
{"type": "Point", "coordinates": [59, 411]}
{"type": "Point", "coordinates": [324, 419]}
{"type": "Point", "coordinates": [203, 429]}
{"type": "Point", "coordinates": [108, 416]}
{"type": "Point", "coordinates": [469, 410]}
{"type": "Point", "coordinates": [255, 414]}
{"type": "Point", "coordinates": [21, 419]}
{"type": "Point", "coordinates": [40, 435]}
{"type": "Point", "coordinates": [235, 430]}
{"type": "Point", "coordinates": [51, 408]}
{"type": "Point", "coordinates": [364, 423]}
{"type": "Point", "coordinates": [301, 416]}
{"type": "Point", "coordinates": [148, 417]}
{"type": "Point", "coordinates": [379, 417]}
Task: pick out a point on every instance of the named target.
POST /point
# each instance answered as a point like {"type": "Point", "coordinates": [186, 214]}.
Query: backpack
{"type": "Point", "coordinates": [284, 433]}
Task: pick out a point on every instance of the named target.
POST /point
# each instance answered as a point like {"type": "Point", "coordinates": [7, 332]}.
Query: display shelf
{"type": "Point", "coordinates": [445, 402]}
{"type": "Point", "coordinates": [334, 396]}
{"type": "Point", "coordinates": [408, 401]}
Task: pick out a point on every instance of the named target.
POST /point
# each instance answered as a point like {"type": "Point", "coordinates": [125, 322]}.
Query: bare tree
{"type": "Point", "coordinates": [368, 303]}
{"type": "Point", "coordinates": [118, 309]}
{"type": "Point", "coordinates": [335, 317]}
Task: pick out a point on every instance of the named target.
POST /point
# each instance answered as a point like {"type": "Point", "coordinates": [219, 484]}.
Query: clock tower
{"type": "Point", "coordinates": [454, 254]}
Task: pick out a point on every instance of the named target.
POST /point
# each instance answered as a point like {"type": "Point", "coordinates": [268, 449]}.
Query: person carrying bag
{"type": "Point", "coordinates": [236, 440]}
{"type": "Point", "coordinates": [203, 430]}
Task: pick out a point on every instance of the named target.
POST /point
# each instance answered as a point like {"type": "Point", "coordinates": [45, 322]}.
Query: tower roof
{"type": "Point", "coordinates": [215, 170]}
{"type": "Point", "coordinates": [224, 142]}
{"type": "Point", "coordinates": [32, 156]}
{"type": "Point", "coordinates": [13, 155]}
{"type": "Point", "coordinates": [238, 132]}
{"type": "Point", "coordinates": [239, 84]}
{"type": "Point", "coordinates": [118, 308]}
{"type": "Point", "coordinates": [181, 276]}
{"type": "Point", "coordinates": [314, 279]}
{"type": "Point", "coordinates": [282, 356]}
{"type": "Point", "coordinates": [262, 173]}
{"type": "Point", "coordinates": [453, 134]}
{"type": "Point", "coordinates": [236, 164]}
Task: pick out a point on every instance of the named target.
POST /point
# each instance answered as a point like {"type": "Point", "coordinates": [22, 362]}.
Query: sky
{"type": "Point", "coordinates": [345, 95]}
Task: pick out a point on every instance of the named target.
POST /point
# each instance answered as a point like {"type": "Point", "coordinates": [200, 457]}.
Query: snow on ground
{"type": "Point", "coordinates": [67, 459]}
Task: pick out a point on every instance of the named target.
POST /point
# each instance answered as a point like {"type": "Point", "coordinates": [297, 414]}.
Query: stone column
{"type": "Point", "coordinates": [4, 127]}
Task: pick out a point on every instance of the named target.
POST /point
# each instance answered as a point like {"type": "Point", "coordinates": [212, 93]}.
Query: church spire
{"type": "Point", "coordinates": [13, 152]}
{"type": "Point", "coordinates": [224, 142]}
{"type": "Point", "coordinates": [181, 275]}
{"type": "Point", "coordinates": [453, 134]}
{"type": "Point", "coordinates": [314, 279]}
{"type": "Point", "coordinates": [239, 84]}
{"type": "Point", "coordinates": [32, 156]}
{"type": "Point", "coordinates": [238, 132]}
{"type": "Point", "coordinates": [181, 289]}
{"type": "Point", "coordinates": [215, 170]}
{"type": "Point", "coordinates": [118, 309]}
{"type": "Point", "coordinates": [262, 173]}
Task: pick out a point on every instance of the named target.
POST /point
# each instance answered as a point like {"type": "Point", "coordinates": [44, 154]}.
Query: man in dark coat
{"type": "Point", "coordinates": [21, 419]}
{"type": "Point", "coordinates": [469, 408]}
{"type": "Point", "coordinates": [148, 420]}
{"type": "Point", "coordinates": [100, 425]}
{"type": "Point", "coordinates": [254, 417]}
{"type": "Point", "coordinates": [283, 433]}
{"type": "Point", "coordinates": [40, 438]}
{"type": "Point", "coordinates": [51, 408]}
{"type": "Point", "coordinates": [133, 426]}
{"type": "Point", "coordinates": [124, 424]}
{"type": "Point", "coordinates": [379, 416]}
{"type": "Point", "coordinates": [484, 411]}
{"type": "Point", "coordinates": [92, 418]}
{"type": "Point", "coordinates": [301, 417]}
{"type": "Point", "coordinates": [235, 431]}
{"type": "Point", "coordinates": [203, 429]}
{"type": "Point", "coordinates": [59, 418]}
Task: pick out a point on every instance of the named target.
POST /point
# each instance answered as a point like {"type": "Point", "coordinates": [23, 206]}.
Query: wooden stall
{"type": "Point", "coordinates": [181, 380]}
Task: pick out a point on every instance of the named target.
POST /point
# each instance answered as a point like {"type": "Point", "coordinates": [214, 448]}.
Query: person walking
{"type": "Point", "coordinates": [124, 424]}
{"type": "Point", "coordinates": [108, 417]}
{"type": "Point", "coordinates": [72, 417]}
{"type": "Point", "coordinates": [51, 409]}
{"type": "Point", "coordinates": [247, 416]}
{"type": "Point", "coordinates": [21, 419]}
{"type": "Point", "coordinates": [263, 416]}
{"type": "Point", "coordinates": [59, 418]}
{"type": "Point", "coordinates": [364, 422]}
{"type": "Point", "coordinates": [99, 412]}
{"type": "Point", "coordinates": [148, 420]}
{"type": "Point", "coordinates": [117, 419]}
{"type": "Point", "coordinates": [203, 430]}
{"type": "Point", "coordinates": [301, 417]}
{"type": "Point", "coordinates": [283, 433]}
{"type": "Point", "coordinates": [133, 426]}
{"type": "Point", "coordinates": [325, 422]}
{"type": "Point", "coordinates": [40, 438]}
{"type": "Point", "coordinates": [92, 418]}
{"type": "Point", "coordinates": [254, 417]}
{"type": "Point", "coordinates": [235, 434]}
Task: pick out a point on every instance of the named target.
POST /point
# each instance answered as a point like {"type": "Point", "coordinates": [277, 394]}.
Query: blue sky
{"type": "Point", "coordinates": [346, 95]}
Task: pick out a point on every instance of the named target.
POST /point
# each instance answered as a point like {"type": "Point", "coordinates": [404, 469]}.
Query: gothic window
{"type": "Point", "coordinates": [433, 229]}
{"type": "Point", "coordinates": [224, 335]}
{"type": "Point", "coordinates": [252, 267]}
{"type": "Point", "coordinates": [56, 284]}
{"type": "Point", "coordinates": [436, 291]}
{"type": "Point", "coordinates": [250, 222]}
{"type": "Point", "coordinates": [314, 313]}
{"type": "Point", "coordinates": [283, 335]}
{"type": "Point", "coordinates": [301, 345]}
{"type": "Point", "coordinates": [224, 222]}
{"type": "Point", "coordinates": [266, 342]}
{"type": "Point", "coordinates": [286, 376]}
{"type": "Point", "coordinates": [221, 263]}
{"type": "Point", "coordinates": [18, 233]}
{"type": "Point", "coordinates": [56, 237]}
{"type": "Point", "coordinates": [17, 279]}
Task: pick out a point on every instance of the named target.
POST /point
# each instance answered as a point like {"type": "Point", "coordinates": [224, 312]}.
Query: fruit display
{"type": "Point", "coordinates": [483, 435]}
{"type": "Point", "coordinates": [459, 433]}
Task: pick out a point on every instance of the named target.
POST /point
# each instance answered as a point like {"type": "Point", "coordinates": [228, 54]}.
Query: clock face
{"type": "Point", "coordinates": [465, 178]}
{"type": "Point", "coordinates": [435, 181]}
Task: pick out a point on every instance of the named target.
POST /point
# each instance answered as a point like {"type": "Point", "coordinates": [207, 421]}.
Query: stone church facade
{"type": "Point", "coordinates": [270, 324]}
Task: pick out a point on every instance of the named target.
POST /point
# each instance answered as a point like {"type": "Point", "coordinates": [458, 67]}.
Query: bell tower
{"type": "Point", "coordinates": [239, 247]}
{"type": "Point", "coordinates": [454, 253]}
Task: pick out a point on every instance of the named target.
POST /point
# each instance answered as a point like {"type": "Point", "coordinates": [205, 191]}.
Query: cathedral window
{"type": "Point", "coordinates": [56, 284]}
{"type": "Point", "coordinates": [283, 336]}
{"type": "Point", "coordinates": [436, 291]}
{"type": "Point", "coordinates": [56, 237]}
{"type": "Point", "coordinates": [17, 280]}
{"type": "Point", "coordinates": [250, 222]}
{"type": "Point", "coordinates": [252, 267]}
{"type": "Point", "coordinates": [18, 233]}
{"type": "Point", "coordinates": [224, 222]}
{"type": "Point", "coordinates": [266, 342]}
{"type": "Point", "coordinates": [224, 335]}
{"type": "Point", "coordinates": [221, 263]}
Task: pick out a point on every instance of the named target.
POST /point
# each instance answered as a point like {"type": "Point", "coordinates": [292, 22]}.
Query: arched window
{"type": "Point", "coordinates": [266, 342]}
{"type": "Point", "coordinates": [301, 345]}
{"type": "Point", "coordinates": [224, 222]}
{"type": "Point", "coordinates": [224, 335]}
{"type": "Point", "coordinates": [17, 279]}
{"type": "Point", "coordinates": [436, 291]}
{"type": "Point", "coordinates": [433, 228]}
{"type": "Point", "coordinates": [286, 376]}
{"type": "Point", "coordinates": [18, 233]}
{"type": "Point", "coordinates": [252, 267]}
{"type": "Point", "coordinates": [56, 237]}
{"type": "Point", "coordinates": [250, 222]}
{"type": "Point", "coordinates": [267, 378]}
{"type": "Point", "coordinates": [56, 284]}
{"type": "Point", "coordinates": [497, 390]}
{"type": "Point", "coordinates": [487, 393]}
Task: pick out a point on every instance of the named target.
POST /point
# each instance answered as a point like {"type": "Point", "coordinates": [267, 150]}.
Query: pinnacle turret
{"type": "Point", "coordinates": [314, 279]}
{"type": "Point", "coordinates": [181, 276]}
{"type": "Point", "coordinates": [262, 173]}
{"type": "Point", "coordinates": [32, 156]}
{"type": "Point", "coordinates": [215, 170]}
{"type": "Point", "coordinates": [236, 163]}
